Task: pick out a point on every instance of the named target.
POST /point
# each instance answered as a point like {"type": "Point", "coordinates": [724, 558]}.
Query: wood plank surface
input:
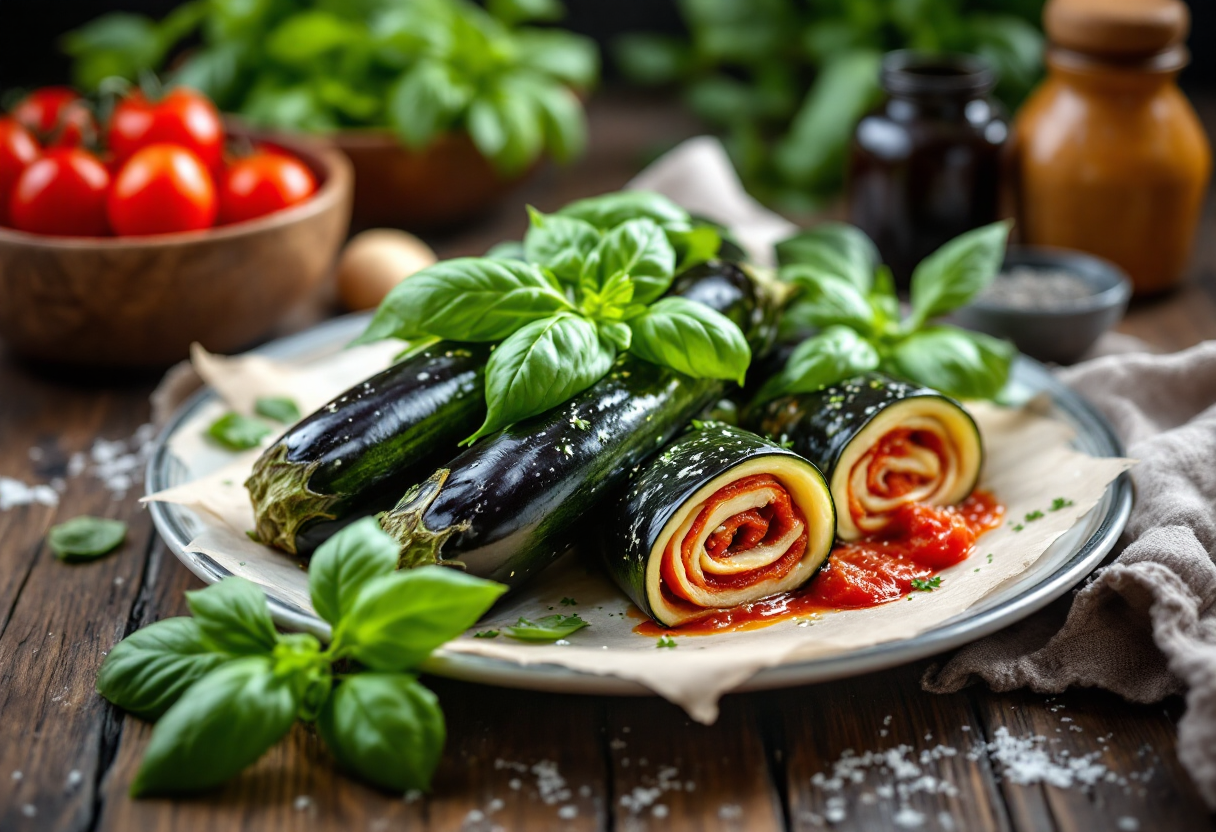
{"type": "Point", "coordinates": [794, 759]}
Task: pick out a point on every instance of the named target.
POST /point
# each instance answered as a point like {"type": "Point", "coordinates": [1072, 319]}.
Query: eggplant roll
{"type": "Point", "coordinates": [509, 505]}
{"type": "Point", "coordinates": [353, 456]}
{"type": "Point", "coordinates": [722, 517]}
{"type": "Point", "coordinates": [882, 443]}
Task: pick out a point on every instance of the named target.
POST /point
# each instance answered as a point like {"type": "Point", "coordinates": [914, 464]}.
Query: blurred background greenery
{"type": "Point", "coordinates": [783, 81]}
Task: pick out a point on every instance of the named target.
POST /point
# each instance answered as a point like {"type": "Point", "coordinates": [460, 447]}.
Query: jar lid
{"type": "Point", "coordinates": [1116, 28]}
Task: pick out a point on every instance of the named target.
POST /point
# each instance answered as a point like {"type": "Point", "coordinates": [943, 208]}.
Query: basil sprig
{"type": "Point", "coordinates": [226, 686]}
{"type": "Point", "coordinates": [586, 285]}
{"type": "Point", "coordinates": [849, 296]}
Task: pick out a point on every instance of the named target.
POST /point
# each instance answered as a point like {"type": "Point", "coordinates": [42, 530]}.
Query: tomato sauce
{"type": "Point", "coordinates": [894, 484]}
{"type": "Point", "coordinates": [875, 570]}
{"type": "Point", "coordinates": [739, 533]}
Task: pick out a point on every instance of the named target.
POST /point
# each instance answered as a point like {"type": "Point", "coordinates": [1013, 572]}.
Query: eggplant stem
{"type": "Point", "coordinates": [282, 500]}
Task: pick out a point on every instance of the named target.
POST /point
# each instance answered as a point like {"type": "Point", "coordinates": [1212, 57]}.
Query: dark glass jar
{"type": "Point", "coordinates": [926, 165]}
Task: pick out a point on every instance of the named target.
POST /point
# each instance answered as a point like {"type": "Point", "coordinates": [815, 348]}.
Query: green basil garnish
{"type": "Point", "coordinates": [850, 298]}
{"type": "Point", "coordinates": [86, 538]}
{"type": "Point", "coordinates": [238, 433]}
{"type": "Point", "coordinates": [226, 686]}
{"type": "Point", "coordinates": [549, 628]}
{"type": "Point", "coordinates": [588, 287]}
{"type": "Point", "coordinates": [278, 408]}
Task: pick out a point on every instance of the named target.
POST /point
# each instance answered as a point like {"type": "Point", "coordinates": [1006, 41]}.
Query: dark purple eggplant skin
{"type": "Point", "coordinates": [353, 456]}
{"type": "Point", "coordinates": [819, 426]}
{"type": "Point", "coordinates": [511, 504]}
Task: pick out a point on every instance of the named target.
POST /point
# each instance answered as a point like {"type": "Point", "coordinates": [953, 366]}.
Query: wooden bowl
{"type": "Point", "coordinates": [141, 301]}
{"type": "Point", "coordinates": [446, 183]}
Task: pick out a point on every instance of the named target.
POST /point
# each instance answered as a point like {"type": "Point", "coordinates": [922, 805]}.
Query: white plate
{"type": "Point", "coordinates": [1070, 558]}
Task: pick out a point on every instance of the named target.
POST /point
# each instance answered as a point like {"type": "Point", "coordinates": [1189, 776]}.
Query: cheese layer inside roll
{"type": "Point", "coordinates": [762, 527]}
{"type": "Point", "coordinates": [919, 450]}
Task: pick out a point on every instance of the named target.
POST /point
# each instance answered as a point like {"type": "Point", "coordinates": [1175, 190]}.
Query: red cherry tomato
{"type": "Point", "coordinates": [264, 182]}
{"type": "Point", "coordinates": [182, 117]}
{"type": "Point", "coordinates": [163, 188]}
{"type": "Point", "coordinates": [57, 115]}
{"type": "Point", "coordinates": [63, 192]}
{"type": "Point", "coordinates": [17, 150]}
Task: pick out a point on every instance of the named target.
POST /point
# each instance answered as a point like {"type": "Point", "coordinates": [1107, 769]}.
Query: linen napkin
{"type": "Point", "coordinates": [1144, 626]}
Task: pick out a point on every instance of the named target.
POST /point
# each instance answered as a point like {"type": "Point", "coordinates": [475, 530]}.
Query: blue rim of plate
{"type": "Point", "coordinates": [976, 622]}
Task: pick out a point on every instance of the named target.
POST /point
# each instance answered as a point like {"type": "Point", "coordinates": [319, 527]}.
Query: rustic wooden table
{"type": "Point", "coordinates": [520, 760]}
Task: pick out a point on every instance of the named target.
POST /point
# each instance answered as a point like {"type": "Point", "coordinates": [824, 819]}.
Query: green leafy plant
{"type": "Point", "coordinates": [549, 628]}
{"type": "Point", "coordinates": [225, 686]}
{"type": "Point", "coordinates": [848, 296]}
{"type": "Point", "coordinates": [238, 433]}
{"type": "Point", "coordinates": [86, 538]}
{"type": "Point", "coordinates": [279, 408]}
{"type": "Point", "coordinates": [420, 67]}
{"type": "Point", "coordinates": [589, 286]}
{"type": "Point", "coordinates": [787, 80]}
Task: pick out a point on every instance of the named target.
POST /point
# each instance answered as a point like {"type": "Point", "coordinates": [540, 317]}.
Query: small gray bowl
{"type": "Point", "coordinates": [1062, 334]}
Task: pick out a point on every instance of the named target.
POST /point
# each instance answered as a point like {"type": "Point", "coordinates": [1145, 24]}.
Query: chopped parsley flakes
{"type": "Point", "coordinates": [666, 641]}
{"type": "Point", "coordinates": [926, 584]}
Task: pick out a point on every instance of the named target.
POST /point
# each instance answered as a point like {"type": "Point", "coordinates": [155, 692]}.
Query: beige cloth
{"type": "Point", "coordinates": [1145, 625]}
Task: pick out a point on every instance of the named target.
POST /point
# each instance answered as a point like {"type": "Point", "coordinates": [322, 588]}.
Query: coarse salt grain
{"type": "Point", "coordinates": [16, 493]}
{"type": "Point", "coordinates": [568, 812]}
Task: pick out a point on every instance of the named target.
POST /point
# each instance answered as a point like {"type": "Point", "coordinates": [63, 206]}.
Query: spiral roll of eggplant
{"type": "Point", "coordinates": [882, 443]}
{"type": "Point", "coordinates": [721, 518]}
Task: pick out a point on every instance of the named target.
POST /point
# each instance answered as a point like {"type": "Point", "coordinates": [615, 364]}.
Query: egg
{"type": "Point", "coordinates": [375, 261]}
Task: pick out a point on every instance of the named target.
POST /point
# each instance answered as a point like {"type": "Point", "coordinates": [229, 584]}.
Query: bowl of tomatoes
{"type": "Point", "coordinates": [125, 238]}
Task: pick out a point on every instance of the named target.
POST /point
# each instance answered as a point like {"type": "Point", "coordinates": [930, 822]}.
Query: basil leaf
{"type": "Point", "coordinates": [640, 249]}
{"type": "Point", "coordinates": [834, 355]}
{"type": "Point", "coordinates": [827, 299]}
{"type": "Point", "coordinates": [386, 728]}
{"type": "Point", "coordinates": [612, 301]}
{"type": "Point", "coordinates": [517, 11]}
{"type": "Point", "coordinates": [148, 670]}
{"type": "Point", "coordinates": [298, 657]}
{"type": "Point", "coordinates": [238, 433]}
{"type": "Point", "coordinates": [812, 155]}
{"type": "Point", "coordinates": [306, 37]}
{"type": "Point", "coordinates": [507, 128]}
{"type": "Point", "coordinates": [833, 248]}
{"type": "Point", "coordinates": [610, 210]}
{"type": "Point", "coordinates": [397, 620]}
{"type": "Point", "coordinates": [884, 301]}
{"type": "Point", "coordinates": [691, 338]}
{"type": "Point", "coordinates": [223, 723]}
{"type": "Point", "coordinates": [618, 332]}
{"type": "Point", "coordinates": [967, 365]}
{"type": "Point", "coordinates": [549, 628]}
{"type": "Point", "coordinates": [951, 276]}
{"type": "Point", "coordinates": [507, 250]}
{"type": "Point", "coordinates": [541, 366]}
{"type": "Point", "coordinates": [86, 538]}
{"type": "Point", "coordinates": [466, 299]}
{"type": "Point", "coordinates": [562, 119]}
{"type": "Point", "coordinates": [560, 244]}
{"type": "Point", "coordinates": [342, 565]}
{"type": "Point", "coordinates": [233, 616]}
{"type": "Point", "coordinates": [696, 245]}
{"type": "Point", "coordinates": [279, 408]}
{"type": "Point", "coordinates": [570, 58]}
{"type": "Point", "coordinates": [425, 102]}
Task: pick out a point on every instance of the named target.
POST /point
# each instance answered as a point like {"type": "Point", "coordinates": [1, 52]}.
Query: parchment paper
{"type": "Point", "coordinates": [1028, 465]}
